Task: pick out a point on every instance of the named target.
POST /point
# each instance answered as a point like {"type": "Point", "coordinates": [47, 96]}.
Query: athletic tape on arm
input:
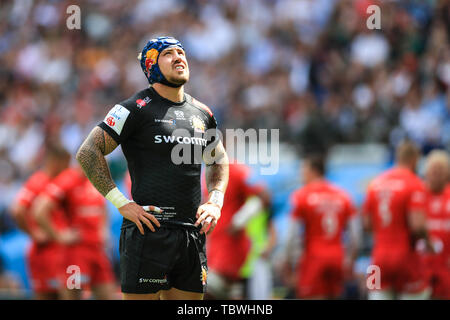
{"type": "Point", "coordinates": [117, 198]}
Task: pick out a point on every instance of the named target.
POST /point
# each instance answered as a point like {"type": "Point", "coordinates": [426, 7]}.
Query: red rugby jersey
{"type": "Point", "coordinates": [227, 253]}
{"type": "Point", "coordinates": [85, 205]}
{"type": "Point", "coordinates": [438, 221]}
{"type": "Point", "coordinates": [35, 184]}
{"type": "Point", "coordinates": [390, 198]}
{"type": "Point", "coordinates": [324, 210]}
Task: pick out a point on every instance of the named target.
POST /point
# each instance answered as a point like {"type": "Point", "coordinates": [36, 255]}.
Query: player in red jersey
{"type": "Point", "coordinates": [324, 211]}
{"type": "Point", "coordinates": [228, 246]}
{"type": "Point", "coordinates": [87, 215]}
{"type": "Point", "coordinates": [394, 211]}
{"type": "Point", "coordinates": [437, 169]}
{"type": "Point", "coordinates": [45, 256]}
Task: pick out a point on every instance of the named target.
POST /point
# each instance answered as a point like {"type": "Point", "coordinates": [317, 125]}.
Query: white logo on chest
{"type": "Point", "coordinates": [179, 115]}
{"type": "Point", "coordinates": [436, 206]}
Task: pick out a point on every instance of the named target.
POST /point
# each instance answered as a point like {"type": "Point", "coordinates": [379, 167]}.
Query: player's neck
{"type": "Point", "coordinates": [436, 189]}
{"type": "Point", "coordinates": [315, 179]}
{"type": "Point", "coordinates": [169, 93]}
{"type": "Point", "coordinates": [50, 171]}
{"type": "Point", "coordinates": [406, 166]}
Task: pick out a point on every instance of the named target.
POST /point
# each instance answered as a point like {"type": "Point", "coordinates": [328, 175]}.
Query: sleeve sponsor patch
{"type": "Point", "coordinates": [116, 117]}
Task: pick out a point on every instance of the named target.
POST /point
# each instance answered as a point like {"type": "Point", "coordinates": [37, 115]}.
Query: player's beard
{"type": "Point", "coordinates": [178, 80]}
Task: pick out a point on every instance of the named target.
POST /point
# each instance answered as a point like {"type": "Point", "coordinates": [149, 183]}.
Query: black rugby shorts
{"type": "Point", "coordinates": [171, 257]}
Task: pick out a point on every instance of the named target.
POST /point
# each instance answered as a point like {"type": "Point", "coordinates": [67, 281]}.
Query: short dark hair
{"type": "Point", "coordinates": [56, 150]}
{"type": "Point", "coordinates": [406, 152]}
{"type": "Point", "coordinates": [317, 162]}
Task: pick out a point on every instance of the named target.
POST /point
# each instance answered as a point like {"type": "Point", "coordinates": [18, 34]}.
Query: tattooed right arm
{"type": "Point", "coordinates": [91, 157]}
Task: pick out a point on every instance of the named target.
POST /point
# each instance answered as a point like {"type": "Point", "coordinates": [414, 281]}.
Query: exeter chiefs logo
{"type": "Point", "coordinates": [197, 124]}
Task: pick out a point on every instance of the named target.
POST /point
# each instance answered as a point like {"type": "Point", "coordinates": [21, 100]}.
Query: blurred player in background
{"type": "Point", "coordinates": [258, 266]}
{"type": "Point", "coordinates": [394, 212]}
{"type": "Point", "coordinates": [324, 212]}
{"type": "Point", "coordinates": [46, 254]}
{"type": "Point", "coordinates": [229, 245]}
{"type": "Point", "coordinates": [438, 222]}
{"type": "Point", "coordinates": [87, 216]}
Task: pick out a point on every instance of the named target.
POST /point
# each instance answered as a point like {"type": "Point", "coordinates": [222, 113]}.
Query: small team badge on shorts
{"type": "Point", "coordinates": [204, 276]}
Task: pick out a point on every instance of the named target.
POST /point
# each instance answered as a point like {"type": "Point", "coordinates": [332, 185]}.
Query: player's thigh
{"type": "Point", "coordinates": [71, 294]}
{"type": "Point", "coordinates": [104, 291]}
{"type": "Point", "coordinates": [390, 277]}
{"type": "Point", "coordinates": [176, 294]}
{"type": "Point", "coordinates": [46, 296]}
{"type": "Point", "coordinates": [380, 295]}
{"type": "Point", "coordinates": [218, 287]}
{"type": "Point", "coordinates": [103, 280]}
{"type": "Point", "coordinates": [190, 271]}
{"type": "Point", "coordinates": [334, 278]}
{"type": "Point", "coordinates": [424, 294]}
{"type": "Point", "coordinates": [47, 273]}
{"type": "Point", "coordinates": [311, 283]}
{"type": "Point", "coordinates": [79, 266]}
{"type": "Point", "coordinates": [141, 296]}
{"type": "Point", "coordinates": [415, 282]}
{"type": "Point", "coordinates": [314, 297]}
{"type": "Point", "coordinates": [145, 260]}
{"type": "Point", "coordinates": [443, 284]}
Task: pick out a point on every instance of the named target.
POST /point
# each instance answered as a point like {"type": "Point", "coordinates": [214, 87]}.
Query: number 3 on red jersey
{"type": "Point", "coordinates": [329, 224]}
{"type": "Point", "coordinates": [384, 208]}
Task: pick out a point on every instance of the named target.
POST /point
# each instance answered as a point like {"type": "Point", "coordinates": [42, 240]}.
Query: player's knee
{"type": "Point", "coordinates": [217, 286]}
{"type": "Point", "coordinates": [380, 295]}
{"type": "Point", "coordinates": [137, 296]}
{"type": "Point", "coordinates": [422, 295]}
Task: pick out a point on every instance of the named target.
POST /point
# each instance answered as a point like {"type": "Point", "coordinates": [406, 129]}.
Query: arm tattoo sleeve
{"type": "Point", "coordinates": [91, 157]}
{"type": "Point", "coordinates": [217, 173]}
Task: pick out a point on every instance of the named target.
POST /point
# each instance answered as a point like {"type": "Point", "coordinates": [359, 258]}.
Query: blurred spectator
{"type": "Point", "coordinates": [260, 59]}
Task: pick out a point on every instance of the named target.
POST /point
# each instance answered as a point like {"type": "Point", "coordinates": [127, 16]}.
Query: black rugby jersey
{"type": "Point", "coordinates": [163, 142]}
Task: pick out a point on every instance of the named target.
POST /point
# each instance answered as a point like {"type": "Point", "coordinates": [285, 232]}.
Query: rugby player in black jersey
{"type": "Point", "coordinates": [162, 243]}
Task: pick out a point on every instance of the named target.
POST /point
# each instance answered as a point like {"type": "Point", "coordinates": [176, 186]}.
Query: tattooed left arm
{"type": "Point", "coordinates": [216, 174]}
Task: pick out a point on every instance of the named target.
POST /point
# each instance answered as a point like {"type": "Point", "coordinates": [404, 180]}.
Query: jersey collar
{"type": "Point", "coordinates": [167, 101]}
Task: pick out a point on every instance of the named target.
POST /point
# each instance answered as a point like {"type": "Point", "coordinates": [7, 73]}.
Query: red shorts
{"type": "Point", "coordinates": [227, 254]}
{"type": "Point", "coordinates": [46, 267]}
{"type": "Point", "coordinates": [401, 272]}
{"type": "Point", "coordinates": [320, 277]}
{"type": "Point", "coordinates": [441, 283]}
{"type": "Point", "coordinates": [92, 263]}
{"type": "Point", "coordinates": [439, 276]}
